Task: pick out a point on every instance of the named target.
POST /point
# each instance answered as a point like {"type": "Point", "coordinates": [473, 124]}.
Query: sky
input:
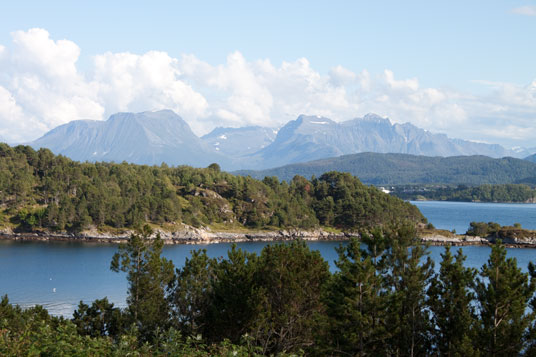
{"type": "Point", "coordinates": [463, 68]}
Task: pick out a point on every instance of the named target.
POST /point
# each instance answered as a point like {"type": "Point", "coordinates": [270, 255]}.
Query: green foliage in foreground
{"type": "Point", "coordinates": [41, 191]}
{"type": "Point", "coordinates": [385, 299]}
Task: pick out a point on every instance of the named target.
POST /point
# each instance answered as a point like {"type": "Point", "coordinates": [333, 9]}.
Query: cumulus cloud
{"type": "Point", "coordinates": [130, 82]}
{"type": "Point", "coordinates": [42, 87]}
{"type": "Point", "coordinates": [14, 126]}
{"type": "Point", "coordinates": [525, 10]}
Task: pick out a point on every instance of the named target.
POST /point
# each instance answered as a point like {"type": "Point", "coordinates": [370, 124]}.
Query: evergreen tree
{"type": "Point", "coordinates": [356, 304]}
{"type": "Point", "coordinates": [231, 306]}
{"type": "Point", "coordinates": [408, 275]}
{"type": "Point", "coordinates": [503, 293]}
{"type": "Point", "coordinates": [289, 282]}
{"type": "Point", "coordinates": [100, 319]}
{"type": "Point", "coordinates": [148, 275]}
{"type": "Point", "coordinates": [451, 298]}
{"type": "Point", "coordinates": [190, 291]}
{"type": "Point", "coordinates": [531, 335]}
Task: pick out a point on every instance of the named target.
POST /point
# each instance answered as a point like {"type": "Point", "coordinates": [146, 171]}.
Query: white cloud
{"type": "Point", "coordinates": [41, 87]}
{"type": "Point", "coordinates": [42, 78]}
{"type": "Point", "coordinates": [401, 85]}
{"type": "Point", "coordinates": [340, 76]}
{"type": "Point", "coordinates": [525, 10]}
{"type": "Point", "coordinates": [130, 82]}
{"type": "Point", "coordinates": [14, 125]}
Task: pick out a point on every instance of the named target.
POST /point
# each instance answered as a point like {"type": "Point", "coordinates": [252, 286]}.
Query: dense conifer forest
{"type": "Point", "coordinates": [384, 299]}
{"type": "Point", "coordinates": [41, 191]}
{"type": "Point", "coordinates": [483, 193]}
{"type": "Point", "coordinates": [402, 169]}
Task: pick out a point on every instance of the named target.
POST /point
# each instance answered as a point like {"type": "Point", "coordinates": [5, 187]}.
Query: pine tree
{"type": "Point", "coordinates": [451, 296]}
{"type": "Point", "coordinates": [408, 312]}
{"type": "Point", "coordinates": [189, 294]}
{"type": "Point", "coordinates": [148, 275]}
{"type": "Point", "coordinates": [289, 282]}
{"type": "Point", "coordinates": [531, 335]}
{"type": "Point", "coordinates": [356, 304]}
{"type": "Point", "coordinates": [231, 307]}
{"type": "Point", "coordinates": [503, 293]}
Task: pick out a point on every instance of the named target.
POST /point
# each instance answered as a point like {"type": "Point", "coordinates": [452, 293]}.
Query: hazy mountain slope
{"type": "Point", "coordinates": [381, 169]}
{"type": "Point", "coordinates": [312, 137]}
{"type": "Point", "coordinates": [531, 158]}
{"type": "Point", "coordinates": [236, 142]}
{"type": "Point", "coordinates": [156, 137]}
{"type": "Point", "coordinates": [143, 138]}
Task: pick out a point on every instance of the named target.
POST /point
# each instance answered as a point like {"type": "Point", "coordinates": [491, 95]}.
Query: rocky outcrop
{"type": "Point", "coordinates": [464, 240]}
{"type": "Point", "coordinates": [455, 240]}
{"type": "Point", "coordinates": [192, 235]}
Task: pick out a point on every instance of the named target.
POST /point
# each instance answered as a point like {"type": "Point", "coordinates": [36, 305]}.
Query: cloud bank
{"type": "Point", "coordinates": [525, 10]}
{"type": "Point", "coordinates": [41, 87]}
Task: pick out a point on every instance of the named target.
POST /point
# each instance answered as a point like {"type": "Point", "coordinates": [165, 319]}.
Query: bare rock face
{"type": "Point", "coordinates": [141, 138]}
{"type": "Point", "coordinates": [238, 142]}
{"type": "Point", "coordinates": [312, 137]}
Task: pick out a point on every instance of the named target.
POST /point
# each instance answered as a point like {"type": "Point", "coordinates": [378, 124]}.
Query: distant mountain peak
{"type": "Point", "coordinates": [376, 118]}
{"type": "Point", "coordinates": [313, 137]}
{"type": "Point", "coordinates": [150, 137]}
{"type": "Point", "coordinates": [313, 119]}
{"type": "Point", "coordinates": [237, 142]}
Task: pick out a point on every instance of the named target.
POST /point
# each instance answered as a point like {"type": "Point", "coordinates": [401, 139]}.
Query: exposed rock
{"type": "Point", "coordinates": [192, 235]}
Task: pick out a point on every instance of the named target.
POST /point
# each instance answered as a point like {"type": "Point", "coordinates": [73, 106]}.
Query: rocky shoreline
{"type": "Point", "coordinates": [188, 235]}
{"type": "Point", "coordinates": [465, 240]}
{"type": "Point", "coordinates": [192, 235]}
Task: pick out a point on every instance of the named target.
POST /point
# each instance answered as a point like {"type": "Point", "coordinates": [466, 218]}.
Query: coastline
{"type": "Point", "coordinates": [188, 235]}
{"type": "Point", "coordinates": [191, 235]}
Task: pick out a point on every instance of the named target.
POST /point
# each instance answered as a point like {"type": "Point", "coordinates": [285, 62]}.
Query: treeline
{"type": "Point", "coordinates": [403, 169]}
{"type": "Point", "coordinates": [385, 299]}
{"type": "Point", "coordinates": [463, 193]}
{"type": "Point", "coordinates": [495, 230]}
{"type": "Point", "coordinates": [39, 190]}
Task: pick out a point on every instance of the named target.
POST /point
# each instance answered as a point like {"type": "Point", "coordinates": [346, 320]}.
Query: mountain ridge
{"type": "Point", "coordinates": [144, 138]}
{"type": "Point", "coordinates": [313, 137]}
{"type": "Point", "coordinates": [163, 136]}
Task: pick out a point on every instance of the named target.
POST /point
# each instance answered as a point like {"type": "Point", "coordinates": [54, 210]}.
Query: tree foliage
{"type": "Point", "coordinates": [383, 299]}
{"type": "Point", "coordinates": [41, 191]}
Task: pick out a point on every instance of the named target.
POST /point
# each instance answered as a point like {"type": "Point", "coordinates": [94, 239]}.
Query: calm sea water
{"type": "Point", "coordinates": [458, 215]}
{"type": "Point", "coordinates": [59, 275]}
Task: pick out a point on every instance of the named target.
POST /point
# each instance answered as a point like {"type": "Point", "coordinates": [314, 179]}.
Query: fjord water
{"type": "Point", "coordinates": [59, 275]}
{"type": "Point", "coordinates": [458, 215]}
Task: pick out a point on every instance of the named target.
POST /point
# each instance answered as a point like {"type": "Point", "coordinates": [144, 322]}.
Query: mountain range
{"type": "Point", "coordinates": [312, 137]}
{"type": "Point", "coordinates": [162, 136]}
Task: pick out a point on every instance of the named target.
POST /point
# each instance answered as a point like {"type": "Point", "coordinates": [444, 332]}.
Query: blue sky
{"type": "Point", "coordinates": [478, 56]}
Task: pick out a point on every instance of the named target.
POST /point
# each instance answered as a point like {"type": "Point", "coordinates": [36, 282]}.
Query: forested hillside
{"type": "Point", "coordinates": [39, 191]}
{"type": "Point", "coordinates": [400, 169]}
{"type": "Point", "coordinates": [482, 193]}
